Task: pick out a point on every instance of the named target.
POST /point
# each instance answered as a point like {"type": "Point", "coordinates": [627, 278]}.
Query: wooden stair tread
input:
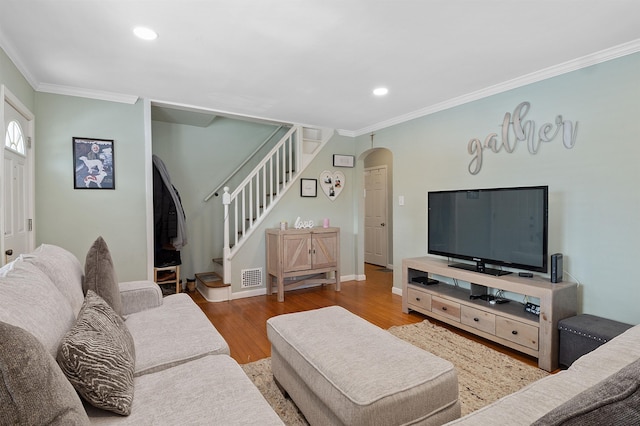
{"type": "Point", "coordinates": [211, 280]}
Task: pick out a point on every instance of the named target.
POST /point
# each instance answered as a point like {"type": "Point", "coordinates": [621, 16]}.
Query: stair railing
{"type": "Point", "coordinates": [249, 158]}
{"type": "Point", "coordinates": [247, 205]}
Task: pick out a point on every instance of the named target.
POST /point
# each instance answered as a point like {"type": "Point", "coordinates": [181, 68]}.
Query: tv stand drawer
{"type": "Point", "coordinates": [445, 308]}
{"type": "Point", "coordinates": [419, 299]}
{"type": "Point", "coordinates": [517, 332]}
{"type": "Point", "coordinates": [481, 320]}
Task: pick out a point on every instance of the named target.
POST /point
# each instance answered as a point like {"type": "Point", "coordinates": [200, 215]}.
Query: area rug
{"type": "Point", "coordinates": [484, 375]}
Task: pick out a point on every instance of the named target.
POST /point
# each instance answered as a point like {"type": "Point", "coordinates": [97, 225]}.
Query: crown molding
{"type": "Point", "coordinates": [8, 49]}
{"type": "Point", "coordinates": [544, 74]}
{"type": "Point", "coordinates": [87, 93]}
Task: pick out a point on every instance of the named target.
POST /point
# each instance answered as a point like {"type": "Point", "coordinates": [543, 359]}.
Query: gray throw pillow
{"type": "Point", "coordinates": [34, 391]}
{"type": "Point", "coordinates": [98, 357]}
{"type": "Point", "coordinates": [100, 275]}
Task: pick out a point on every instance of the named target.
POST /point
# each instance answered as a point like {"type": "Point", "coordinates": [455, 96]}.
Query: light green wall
{"type": "Point", "coordinates": [74, 218]}
{"type": "Point", "coordinates": [594, 196]}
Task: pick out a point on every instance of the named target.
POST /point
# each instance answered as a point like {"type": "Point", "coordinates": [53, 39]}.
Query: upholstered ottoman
{"type": "Point", "coordinates": [583, 333]}
{"type": "Point", "coordinates": [342, 370]}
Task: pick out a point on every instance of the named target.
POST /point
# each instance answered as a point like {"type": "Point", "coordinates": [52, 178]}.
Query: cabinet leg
{"type": "Point", "coordinates": [280, 290]}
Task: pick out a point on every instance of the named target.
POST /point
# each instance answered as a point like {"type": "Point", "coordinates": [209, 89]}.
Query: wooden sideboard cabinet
{"type": "Point", "coordinates": [508, 324]}
{"type": "Point", "coordinates": [297, 257]}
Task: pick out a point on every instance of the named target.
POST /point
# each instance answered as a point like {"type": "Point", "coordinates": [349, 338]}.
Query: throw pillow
{"type": "Point", "coordinates": [98, 357]}
{"type": "Point", "coordinates": [34, 391]}
{"type": "Point", "coordinates": [100, 275]}
{"type": "Point", "coordinates": [613, 401]}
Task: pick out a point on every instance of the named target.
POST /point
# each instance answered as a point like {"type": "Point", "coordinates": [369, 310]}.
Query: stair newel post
{"type": "Point", "coordinates": [226, 250]}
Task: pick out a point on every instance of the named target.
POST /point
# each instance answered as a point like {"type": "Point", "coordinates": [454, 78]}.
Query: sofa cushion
{"type": "Point", "coordinates": [212, 390]}
{"type": "Point", "coordinates": [98, 357]}
{"type": "Point", "coordinates": [28, 299]}
{"type": "Point", "coordinates": [614, 400]}
{"type": "Point", "coordinates": [34, 391]}
{"type": "Point", "coordinates": [174, 333]}
{"type": "Point", "coordinates": [100, 275]}
{"type": "Point", "coordinates": [64, 270]}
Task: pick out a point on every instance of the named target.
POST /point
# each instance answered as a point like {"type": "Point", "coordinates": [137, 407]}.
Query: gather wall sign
{"type": "Point", "coordinates": [520, 130]}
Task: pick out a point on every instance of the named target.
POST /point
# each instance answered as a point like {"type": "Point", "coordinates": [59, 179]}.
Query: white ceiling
{"type": "Point", "coordinates": [312, 62]}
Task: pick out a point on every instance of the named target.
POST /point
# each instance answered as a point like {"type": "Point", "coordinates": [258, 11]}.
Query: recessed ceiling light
{"type": "Point", "coordinates": [145, 33]}
{"type": "Point", "coordinates": [380, 91]}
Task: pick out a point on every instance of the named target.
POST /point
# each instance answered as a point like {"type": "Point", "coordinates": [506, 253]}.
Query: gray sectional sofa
{"type": "Point", "coordinates": [170, 365]}
{"type": "Point", "coordinates": [600, 388]}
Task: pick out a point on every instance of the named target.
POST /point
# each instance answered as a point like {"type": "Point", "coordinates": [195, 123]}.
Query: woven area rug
{"type": "Point", "coordinates": [484, 375]}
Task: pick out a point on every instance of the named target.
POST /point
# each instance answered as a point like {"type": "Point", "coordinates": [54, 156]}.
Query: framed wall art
{"type": "Point", "coordinates": [93, 165]}
{"type": "Point", "coordinates": [308, 187]}
{"type": "Point", "coordinates": [343, 160]}
{"type": "Point", "coordinates": [332, 183]}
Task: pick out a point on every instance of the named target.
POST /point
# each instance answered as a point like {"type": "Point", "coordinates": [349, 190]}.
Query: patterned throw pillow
{"type": "Point", "coordinates": [33, 390]}
{"type": "Point", "coordinates": [98, 357]}
{"type": "Point", "coordinates": [100, 275]}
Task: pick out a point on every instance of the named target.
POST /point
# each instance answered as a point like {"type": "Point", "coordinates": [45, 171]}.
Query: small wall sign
{"type": "Point", "coordinates": [308, 187]}
{"type": "Point", "coordinates": [343, 160]}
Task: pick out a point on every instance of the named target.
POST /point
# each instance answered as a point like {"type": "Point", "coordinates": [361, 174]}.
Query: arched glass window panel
{"type": "Point", "coordinates": [14, 139]}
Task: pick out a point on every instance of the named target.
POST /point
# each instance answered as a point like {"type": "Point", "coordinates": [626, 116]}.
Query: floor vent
{"type": "Point", "coordinates": [251, 277]}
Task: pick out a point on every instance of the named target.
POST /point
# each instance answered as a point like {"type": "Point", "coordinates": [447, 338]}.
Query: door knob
{"type": "Point", "coordinates": [382, 224]}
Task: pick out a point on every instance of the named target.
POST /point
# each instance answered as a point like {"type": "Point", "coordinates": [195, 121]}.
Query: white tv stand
{"type": "Point", "coordinates": [508, 324]}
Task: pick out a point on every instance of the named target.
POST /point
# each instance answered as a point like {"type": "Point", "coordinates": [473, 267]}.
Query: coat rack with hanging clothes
{"type": "Point", "coordinates": [170, 232]}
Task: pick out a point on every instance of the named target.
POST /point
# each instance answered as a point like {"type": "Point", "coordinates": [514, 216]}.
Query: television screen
{"type": "Point", "coordinates": [500, 226]}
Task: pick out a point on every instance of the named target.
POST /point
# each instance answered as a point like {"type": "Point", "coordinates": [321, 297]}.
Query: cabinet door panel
{"type": "Point", "coordinates": [296, 252]}
{"type": "Point", "coordinates": [324, 250]}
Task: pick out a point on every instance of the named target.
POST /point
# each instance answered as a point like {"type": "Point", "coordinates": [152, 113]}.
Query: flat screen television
{"type": "Point", "coordinates": [507, 227]}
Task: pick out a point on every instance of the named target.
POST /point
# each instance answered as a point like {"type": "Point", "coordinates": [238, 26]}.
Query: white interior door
{"type": "Point", "coordinates": [375, 216]}
{"type": "Point", "coordinates": [17, 179]}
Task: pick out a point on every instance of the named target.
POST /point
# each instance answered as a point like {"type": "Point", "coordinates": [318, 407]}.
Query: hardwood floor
{"type": "Point", "coordinates": [242, 322]}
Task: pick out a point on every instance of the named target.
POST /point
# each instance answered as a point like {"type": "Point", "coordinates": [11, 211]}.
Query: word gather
{"type": "Point", "coordinates": [516, 129]}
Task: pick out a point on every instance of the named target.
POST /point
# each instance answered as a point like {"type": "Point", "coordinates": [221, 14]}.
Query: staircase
{"type": "Point", "coordinates": [257, 195]}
